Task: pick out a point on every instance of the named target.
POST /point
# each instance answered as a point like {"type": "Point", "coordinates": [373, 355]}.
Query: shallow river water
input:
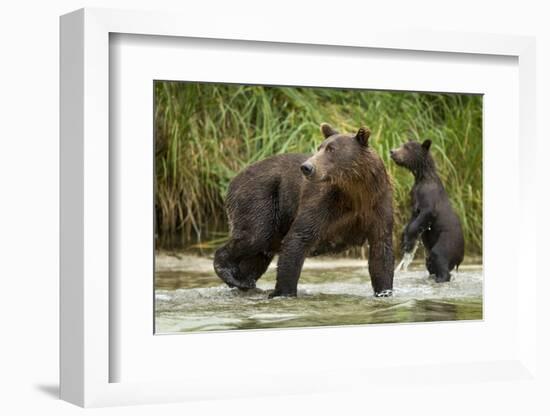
{"type": "Point", "coordinates": [190, 297]}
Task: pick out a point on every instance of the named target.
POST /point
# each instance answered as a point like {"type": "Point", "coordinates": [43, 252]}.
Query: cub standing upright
{"type": "Point", "coordinates": [433, 217]}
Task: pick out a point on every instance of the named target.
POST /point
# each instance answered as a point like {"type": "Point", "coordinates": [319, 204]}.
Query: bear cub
{"type": "Point", "coordinates": [301, 205]}
{"type": "Point", "coordinates": [433, 217]}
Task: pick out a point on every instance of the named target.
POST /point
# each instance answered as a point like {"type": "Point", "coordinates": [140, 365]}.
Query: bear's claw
{"type": "Point", "coordinates": [384, 293]}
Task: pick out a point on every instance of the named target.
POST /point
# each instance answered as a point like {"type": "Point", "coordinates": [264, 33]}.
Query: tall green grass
{"type": "Point", "coordinates": [206, 133]}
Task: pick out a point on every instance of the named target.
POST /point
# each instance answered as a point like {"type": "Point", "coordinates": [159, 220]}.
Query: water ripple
{"type": "Point", "coordinates": [196, 301]}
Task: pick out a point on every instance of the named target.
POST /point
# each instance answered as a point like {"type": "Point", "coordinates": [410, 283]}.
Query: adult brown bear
{"type": "Point", "coordinates": [301, 205]}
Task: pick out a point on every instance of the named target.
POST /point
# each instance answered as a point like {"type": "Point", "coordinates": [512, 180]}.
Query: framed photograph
{"type": "Point", "coordinates": [281, 212]}
{"type": "Point", "coordinates": [227, 208]}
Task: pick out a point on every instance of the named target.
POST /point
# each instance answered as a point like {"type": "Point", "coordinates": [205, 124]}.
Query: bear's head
{"type": "Point", "coordinates": [413, 155]}
{"type": "Point", "coordinates": [340, 157]}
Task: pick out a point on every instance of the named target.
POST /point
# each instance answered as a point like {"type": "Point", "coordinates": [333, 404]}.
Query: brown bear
{"type": "Point", "coordinates": [301, 205]}
{"type": "Point", "coordinates": [432, 216]}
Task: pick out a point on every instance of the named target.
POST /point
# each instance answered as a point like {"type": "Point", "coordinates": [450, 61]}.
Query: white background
{"type": "Point", "coordinates": [137, 61]}
{"type": "Point", "coordinates": [29, 213]}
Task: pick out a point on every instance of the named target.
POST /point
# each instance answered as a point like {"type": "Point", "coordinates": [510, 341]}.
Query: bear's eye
{"type": "Point", "coordinates": [329, 149]}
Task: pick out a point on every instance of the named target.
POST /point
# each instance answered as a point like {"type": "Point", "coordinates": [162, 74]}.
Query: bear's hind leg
{"type": "Point", "coordinates": [429, 265]}
{"type": "Point", "coordinates": [242, 261]}
{"type": "Point", "coordinates": [226, 265]}
{"type": "Point", "coordinates": [440, 267]}
{"type": "Point", "coordinates": [251, 268]}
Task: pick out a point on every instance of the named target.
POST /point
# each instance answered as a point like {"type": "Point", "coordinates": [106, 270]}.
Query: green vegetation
{"type": "Point", "coordinates": [207, 133]}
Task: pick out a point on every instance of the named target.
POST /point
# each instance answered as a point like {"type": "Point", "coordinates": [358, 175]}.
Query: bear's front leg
{"type": "Point", "coordinates": [381, 265]}
{"type": "Point", "coordinates": [414, 228]}
{"type": "Point", "coordinates": [295, 246]}
{"type": "Point", "coordinates": [289, 266]}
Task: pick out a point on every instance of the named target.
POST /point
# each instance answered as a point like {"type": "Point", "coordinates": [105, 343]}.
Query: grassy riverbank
{"type": "Point", "coordinates": [206, 133]}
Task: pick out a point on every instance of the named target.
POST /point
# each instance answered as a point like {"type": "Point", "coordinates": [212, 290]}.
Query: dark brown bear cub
{"type": "Point", "coordinates": [305, 205]}
{"type": "Point", "coordinates": [432, 214]}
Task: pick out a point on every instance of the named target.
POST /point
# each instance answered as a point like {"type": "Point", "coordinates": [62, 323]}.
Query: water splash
{"type": "Point", "coordinates": [407, 259]}
{"type": "Point", "coordinates": [187, 301]}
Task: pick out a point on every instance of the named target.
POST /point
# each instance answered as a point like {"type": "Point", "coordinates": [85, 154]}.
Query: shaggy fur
{"type": "Point", "coordinates": [432, 216]}
{"type": "Point", "coordinates": [299, 205]}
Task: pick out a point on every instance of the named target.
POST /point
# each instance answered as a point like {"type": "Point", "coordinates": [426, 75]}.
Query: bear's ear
{"type": "Point", "coordinates": [327, 130]}
{"type": "Point", "coordinates": [362, 136]}
{"type": "Point", "coordinates": [426, 145]}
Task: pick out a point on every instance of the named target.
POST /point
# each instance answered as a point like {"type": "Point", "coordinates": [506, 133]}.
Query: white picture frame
{"type": "Point", "coordinates": [86, 304]}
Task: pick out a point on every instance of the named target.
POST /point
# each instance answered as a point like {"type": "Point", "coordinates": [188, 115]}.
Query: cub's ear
{"type": "Point", "coordinates": [426, 145]}
{"type": "Point", "coordinates": [327, 130]}
{"type": "Point", "coordinates": [362, 136]}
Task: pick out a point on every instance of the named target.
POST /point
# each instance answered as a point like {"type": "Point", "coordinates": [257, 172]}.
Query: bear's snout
{"type": "Point", "coordinates": [307, 169]}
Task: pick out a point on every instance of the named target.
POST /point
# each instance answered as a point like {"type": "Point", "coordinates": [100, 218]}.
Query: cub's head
{"type": "Point", "coordinates": [339, 157]}
{"type": "Point", "coordinates": [412, 155]}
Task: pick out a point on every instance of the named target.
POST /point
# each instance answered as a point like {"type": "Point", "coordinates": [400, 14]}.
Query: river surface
{"type": "Point", "coordinates": [190, 297]}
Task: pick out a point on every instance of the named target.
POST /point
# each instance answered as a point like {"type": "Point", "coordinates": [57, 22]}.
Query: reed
{"type": "Point", "coordinates": [206, 133]}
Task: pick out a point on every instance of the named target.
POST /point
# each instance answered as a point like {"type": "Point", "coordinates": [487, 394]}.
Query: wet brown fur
{"type": "Point", "coordinates": [433, 218]}
{"type": "Point", "coordinates": [273, 208]}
